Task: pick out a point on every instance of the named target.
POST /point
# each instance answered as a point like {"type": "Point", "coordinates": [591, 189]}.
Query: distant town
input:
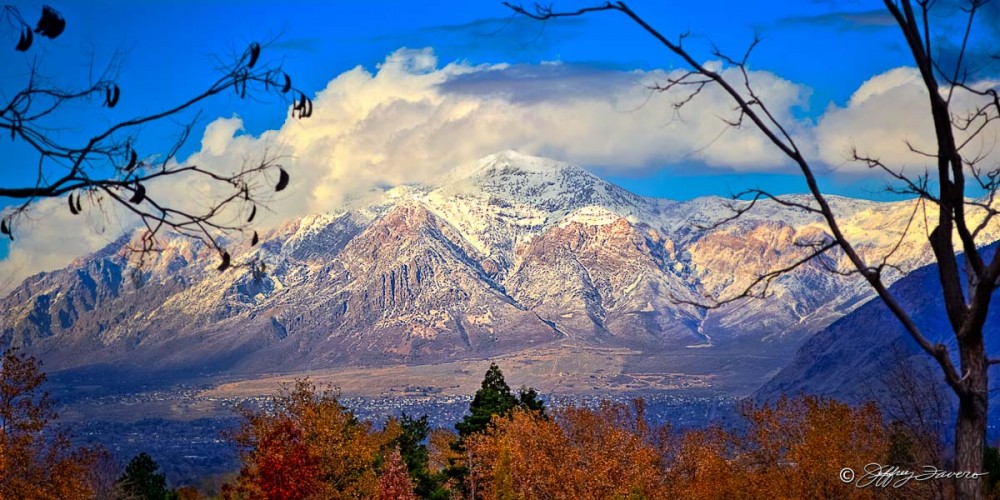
{"type": "Point", "coordinates": [192, 451]}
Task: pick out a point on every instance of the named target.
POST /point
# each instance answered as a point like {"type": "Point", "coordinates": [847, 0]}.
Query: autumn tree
{"type": "Point", "coordinates": [36, 458]}
{"type": "Point", "coordinates": [443, 456]}
{"type": "Point", "coordinates": [578, 453]}
{"type": "Point", "coordinates": [493, 398]}
{"type": "Point", "coordinates": [964, 107]}
{"type": "Point", "coordinates": [304, 444]}
{"type": "Point", "coordinates": [107, 168]}
{"type": "Point", "coordinates": [395, 483]}
{"type": "Point", "coordinates": [103, 475]}
{"type": "Point", "coordinates": [700, 465]}
{"type": "Point", "coordinates": [187, 493]}
{"type": "Point", "coordinates": [793, 448]}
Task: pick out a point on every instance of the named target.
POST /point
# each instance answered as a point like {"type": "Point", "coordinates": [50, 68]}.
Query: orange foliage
{"type": "Point", "coordinates": [395, 483]}
{"type": "Point", "coordinates": [793, 449]}
{"type": "Point", "coordinates": [307, 446]}
{"type": "Point", "coordinates": [35, 460]}
{"type": "Point", "coordinates": [440, 451]}
{"type": "Point", "coordinates": [188, 493]}
{"type": "Point", "coordinates": [579, 453]}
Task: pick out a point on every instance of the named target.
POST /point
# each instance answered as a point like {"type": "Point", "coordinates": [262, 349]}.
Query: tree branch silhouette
{"type": "Point", "coordinates": [108, 167]}
{"type": "Point", "coordinates": [954, 132]}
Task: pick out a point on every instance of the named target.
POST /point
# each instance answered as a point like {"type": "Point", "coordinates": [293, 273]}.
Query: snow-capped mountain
{"type": "Point", "coordinates": [506, 254]}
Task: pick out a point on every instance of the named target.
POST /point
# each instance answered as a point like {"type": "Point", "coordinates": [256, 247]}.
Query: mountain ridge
{"type": "Point", "coordinates": [503, 255]}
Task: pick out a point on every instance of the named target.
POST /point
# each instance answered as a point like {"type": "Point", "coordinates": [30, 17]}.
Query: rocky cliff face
{"type": "Point", "coordinates": [509, 253]}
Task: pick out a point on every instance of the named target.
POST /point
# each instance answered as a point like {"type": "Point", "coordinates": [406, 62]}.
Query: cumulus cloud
{"type": "Point", "coordinates": [887, 115]}
{"type": "Point", "coordinates": [219, 134]}
{"type": "Point", "coordinates": [49, 237]}
{"type": "Point", "coordinates": [413, 119]}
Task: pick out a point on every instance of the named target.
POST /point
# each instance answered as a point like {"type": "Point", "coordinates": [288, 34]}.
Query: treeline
{"type": "Point", "coordinates": [510, 446]}
{"type": "Point", "coordinates": [305, 444]}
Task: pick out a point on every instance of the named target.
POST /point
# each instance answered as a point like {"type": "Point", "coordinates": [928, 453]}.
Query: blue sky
{"type": "Point", "coordinates": [815, 55]}
{"type": "Point", "coordinates": [169, 48]}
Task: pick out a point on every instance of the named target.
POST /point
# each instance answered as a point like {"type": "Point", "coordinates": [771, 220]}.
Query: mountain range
{"type": "Point", "coordinates": [506, 255]}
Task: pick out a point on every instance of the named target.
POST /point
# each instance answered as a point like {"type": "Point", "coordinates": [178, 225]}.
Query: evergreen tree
{"type": "Point", "coordinates": [141, 479]}
{"type": "Point", "coordinates": [494, 397]}
{"type": "Point", "coordinates": [413, 450]}
{"type": "Point", "coordinates": [528, 399]}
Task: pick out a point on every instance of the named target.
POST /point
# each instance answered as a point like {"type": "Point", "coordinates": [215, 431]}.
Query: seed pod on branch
{"type": "Point", "coordinates": [282, 180]}
{"type": "Point", "coordinates": [24, 43]}
{"type": "Point", "coordinates": [111, 95]}
{"type": "Point", "coordinates": [5, 229]}
{"type": "Point", "coordinates": [254, 54]}
{"type": "Point", "coordinates": [51, 24]}
{"type": "Point", "coordinates": [139, 195]}
{"type": "Point", "coordinates": [225, 261]}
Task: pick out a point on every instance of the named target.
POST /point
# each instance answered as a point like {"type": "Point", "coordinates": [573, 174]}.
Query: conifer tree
{"type": "Point", "coordinates": [494, 397]}
{"type": "Point", "coordinates": [141, 480]}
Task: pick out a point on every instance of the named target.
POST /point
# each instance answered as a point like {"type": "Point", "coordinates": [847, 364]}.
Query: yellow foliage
{"type": "Point", "coordinates": [794, 448]}
{"type": "Point", "coordinates": [579, 453]}
{"type": "Point", "coordinates": [36, 461]}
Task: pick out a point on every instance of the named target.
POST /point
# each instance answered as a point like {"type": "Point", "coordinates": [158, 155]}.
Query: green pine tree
{"type": "Point", "coordinates": [413, 449]}
{"type": "Point", "coordinates": [141, 479]}
{"type": "Point", "coordinates": [528, 399]}
{"type": "Point", "coordinates": [493, 398]}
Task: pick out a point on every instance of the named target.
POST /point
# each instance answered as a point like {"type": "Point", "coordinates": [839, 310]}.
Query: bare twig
{"type": "Point", "coordinates": [108, 166]}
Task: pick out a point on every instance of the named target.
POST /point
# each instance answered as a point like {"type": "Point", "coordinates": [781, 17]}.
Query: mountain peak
{"type": "Point", "coordinates": [551, 186]}
{"type": "Point", "coordinates": [506, 162]}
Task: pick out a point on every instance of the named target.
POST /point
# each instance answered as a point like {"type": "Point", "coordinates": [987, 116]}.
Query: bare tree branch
{"type": "Point", "coordinates": [966, 313]}
{"type": "Point", "coordinates": [786, 145]}
{"type": "Point", "coordinates": [108, 166]}
{"type": "Point", "coordinates": [759, 286]}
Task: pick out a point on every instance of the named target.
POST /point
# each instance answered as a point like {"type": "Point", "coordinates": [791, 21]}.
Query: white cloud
{"type": "Point", "coordinates": [219, 134]}
{"type": "Point", "coordinates": [886, 115]}
{"type": "Point", "coordinates": [882, 115]}
{"type": "Point", "coordinates": [413, 119]}
{"type": "Point", "coordinates": [50, 237]}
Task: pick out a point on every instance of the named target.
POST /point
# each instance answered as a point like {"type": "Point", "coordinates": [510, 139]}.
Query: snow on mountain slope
{"type": "Point", "coordinates": [508, 253]}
